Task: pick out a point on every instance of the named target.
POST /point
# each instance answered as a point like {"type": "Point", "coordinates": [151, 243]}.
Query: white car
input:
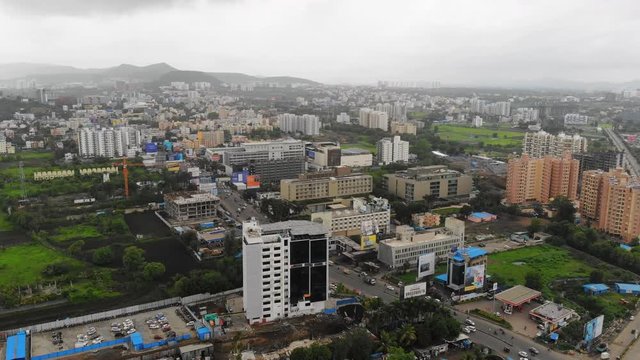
{"type": "Point", "coordinates": [469, 322]}
{"type": "Point", "coordinates": [154, 326]}
{"type": "Point", "coordinates": [390, 288]}
{"type": "Point", "coordinates": [472, 328]}
{"type": "Point", "coordinates": [131, 331]}
{"type": "Point", "coordinates": [466, 330]}
{"type": "Point", "coordinates": [523, 354]}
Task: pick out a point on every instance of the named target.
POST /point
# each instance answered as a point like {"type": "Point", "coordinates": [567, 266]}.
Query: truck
{"type": "Point", "coordinates": [369, 280]}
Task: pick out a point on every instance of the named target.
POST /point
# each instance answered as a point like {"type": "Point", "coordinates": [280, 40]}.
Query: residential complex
{"type": "Point", "coordinates": [415, 183]}
{"type": "Point", "coordinates": [409, 244]}
{"type": "Point", "coordinates": [210, 138]}
{"type": "Point", "coordinates": [373, 119]}
{"type": "Point", "coordinates": [576, 119]}
{"type": "Point", "coordinates": [343, 118]}
{"type": "Point", "coordinates": [187, 206]}
{"type": "Point", "coordinates": [604, 160]}
{"type": "Point", "coordinates": [404, 127]}
{"type": "Point", "coordinates": [124, 141]}
{"type": "Point", "coordinates": [611, 201]}
{"type": "Point", "coordinates": [284, 268]}
{"type": "Point", "coordinates": [304, 124]}
{"type": "Point", "coordinates": [539, 144]}
{"type": "Point", "coordinates": [390, 150]}
{"type": "Point", "coordinates": [349, 219]}
{"type": "Point", "coordinates": [5, 146]}
{"type": "Point", "coordinates": [270, 160]}
{"type": "Point", "coordinates": [315, 186]}
{"type": "Point", "coordinates": [541, 179]}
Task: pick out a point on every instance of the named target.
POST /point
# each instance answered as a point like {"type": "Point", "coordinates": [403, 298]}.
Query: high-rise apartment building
{"type": "Point", "coordinates": [476, 122]}
{"type": "Point", "coordinates": [211, 138]}
{"type": "Point", "coordinates": [541, 179]}
{"type": "Point", "coordinates": [374, 119]}
{"type": "Point", "coordinates": [541, 143]}
{"type": "Point", "coordinates": [611, 201]}
{"type": "Point", "coordinates": [304, 124]}
{"type": "Point", "coordinates": [415, 183]}
{"type": "Point", "coordinates": [390, 150]}
{"type": "Point", "coordinates": [343, 118]}
{"type": "Point", "coordinates": [284, 268]}
{"type": "Point", "coordinates": [603, 160]}
{"type": "Point", "coordinates": [109, 142]}
{"type": "Point", "coordinates": [398, 127]}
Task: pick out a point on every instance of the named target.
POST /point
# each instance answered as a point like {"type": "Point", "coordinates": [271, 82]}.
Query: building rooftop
{"type": "Point", "coordinates": [628, 287]}
{"type": "Point", "coordinates": [184, 197]}
{"type": "Point", "coordinates": [296, 227]}
{"type": "Point", "coordinates": [517, 295]}
{"type": "Point", "coordinates": [471, 252]}
{"type": "Point", "coordinates": [355, 151]}
{"type": "Point", "coordinates": [596, 287]}
{"type": "Point", "coordinates": [552, 311]}
{"type": "Point", "coordinates": [422, 172]}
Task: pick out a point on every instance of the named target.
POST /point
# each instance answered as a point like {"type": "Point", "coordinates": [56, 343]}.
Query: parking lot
{"type": "Point", "coordinates": [42, 343]}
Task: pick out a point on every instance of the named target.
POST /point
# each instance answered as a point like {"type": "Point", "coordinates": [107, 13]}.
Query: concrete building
{"type": "Point", "coordinates": [409, 244]}
{"type": "Point", "coordinates": [415, 183]}
{"type": "Point", "coordinates": [187, 206]}
{"type": "Point", "coordinates": [343, 118]}
{"type": "Point", "coordinates": [576, 119]}
{"type": "Point", "coordinates": [398, 127]}
{"type": "Point", "coordinates": [539, 144]}
{"type": "Point", "coordinates": [374, 119]}
{"type": "Point", "coordinates": [304, 124]}
{"type": "Point", "coordinates": [476, 122]}
{"type": "Point", "coordinates": [323, 155]}
{"type": "Point", "coordinates": [604, 160]}
{"type": "Point", "coordinates": [541, 179]}
{"type": "Point", "coordinates": [270, 160]}
{"type": "Point", "coordinates": [611, 201]}
{"type": "Point", "coordinates": [349, 219]}
{"type": "Point", "coordinates": [315, 186]}
{"type": "Point", "coordinates": [285, 269]}
{"type": "Point", "coordinates": [5, 146]}
{"type": "Point", "coordinates": [356, 158]}
{"type": "Point", "coordinates": [210, 138]}
{"type": "Point", "coordinates": [466, 269]}
{"type": "Point", "coordinates": [390, 150]}
{"type": "Point", "coordinates": [109, 143]}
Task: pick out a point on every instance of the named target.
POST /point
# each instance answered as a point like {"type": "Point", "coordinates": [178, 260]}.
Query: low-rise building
{"type": "Point", "coordinates": [315, 186]}
{"type": "Point", "coordinates": [356, 158]}
{"type": "Point", "coordinates": [552, 316]}
{"type": "Point", "coordinates": [353, 219]}
{"type": "Point", "coordinates": [186, 206]}
{"type": "Point", "coordinates": [398, 127]}
{"type": "Point", "coordinates": [427, 220]}
{"type": "Point", "coordinates": [415, 183]}
{"type": "Point", "coordinates": [409, 244]}
{"type": "Point", "coordinates": [466, 269]}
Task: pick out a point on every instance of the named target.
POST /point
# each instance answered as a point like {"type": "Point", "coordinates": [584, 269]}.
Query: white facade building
{"type": "Point", "coordinates": [576, 119]}
{"type": "Point", "coordinates": [108, 142]}
{"type": "Point", "coordinates": [374, 119]}
{"type": "Point", "coordinates": [390, 150]}
{"type": "Point", "coordinates": [343, 118]}
{"type": "Point", "coordinates": [477, 121]}
{"type": "Point", "coordinates": [285, 269]}
{"type": "Point", "coordinates": [304, 124]}
{"type": "Point", "coordinates": [539, 144]}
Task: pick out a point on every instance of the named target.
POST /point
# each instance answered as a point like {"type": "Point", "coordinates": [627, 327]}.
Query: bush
{"type": "Point", "coordinates": [102, 256]}
{"type": "Point", "coordinates": [493, 318]}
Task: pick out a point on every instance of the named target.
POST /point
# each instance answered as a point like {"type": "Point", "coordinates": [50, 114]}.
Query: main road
{"type": "Point", "coordinates": [630, 161]}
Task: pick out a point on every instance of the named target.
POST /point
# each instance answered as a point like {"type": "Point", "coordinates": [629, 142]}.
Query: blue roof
{"type": "Point", "coordinates": [481, 214]}
{"type": "Point", "coordinates": [628, 287]}
{"type": "Point", "coordinates": [136, 339]}
{"type": "Point", "coordinates": [625, 247]}
{"type": "Point", "coordinates": [442, 277]}
{"type": "Point", "coordinates": [596, 287]}
{"type": "Point", "coordinates": [17, 347]}
{"type": "Point", "coordinates": [554, 336]}
{"type": "Point", "coordinates": [203, 330]}
{"type": "Point", "coordinates": [471, 252]}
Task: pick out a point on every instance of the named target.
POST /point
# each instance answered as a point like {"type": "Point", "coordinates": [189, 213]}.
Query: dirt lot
{"type": "Point", "coordinates": [503, 227]}
{"type": "Point", "coordinates": [41, 342]}
{"type": "Point", "coordinates": [147, 224]}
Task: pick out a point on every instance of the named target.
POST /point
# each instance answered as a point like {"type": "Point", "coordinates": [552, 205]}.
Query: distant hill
{"type": "Point", "coordinates": [19, 70]}
{"type": "Point", "coordinates": [188, 77]}
{"type": "Point", "coordinates": [289, 80]}
{"type": "Point", "coordinates": [144, 73]}
{"type": "Point", "coordinates": [233, 78]}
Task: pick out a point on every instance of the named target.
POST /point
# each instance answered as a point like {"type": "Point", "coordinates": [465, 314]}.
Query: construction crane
{"type": "Point", "coordinates": [125, 173]}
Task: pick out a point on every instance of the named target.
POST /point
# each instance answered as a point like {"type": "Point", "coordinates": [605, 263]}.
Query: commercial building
{"type": "Point", "coordinates": [611, 201]}
{"type": "Point", "coordinates": [466, 268]}
{"type": "Point", "coordinates": [604, 160]}
{"type": "Point", "coordinates": [516, 297]}
{"type": "Point", "coordinates": [315, 186]}
{"type": "Point", "coordinates": [187, 206]}
{"type": "Point", "coordinates": [108, 142]}
{"type": "Point", "coordinates": [541, 179]}
{"type": "Point", "coordinates": [285, 269]}
{"type": "Point", "coordinates": [304, 124]}
{"type": "Point", "coordinates": [356, 158]}
{"type": "Point", "coordinates": [373, 119]}
{"type": "Point", "coordinates": [271, 161]}
{"type": "Point", "coordinates": [360, 216]}
{"type": "Point", "coordinates": [539, 144]}
{"type": "Point", "coordinates": [552, 316]}
{"type": "Point", "coordinates": [409, 244]}
{"type": "Point", "coordinates": [404, 127]}
{"type": "Point", "coordinates": [391, 150]}
{"type": "Point", "coordinates": [576, 119]}
{"type": "Point", "coordinates": [323, 155]}
{"type": "Point", "coordinates": [415, 183]}
{"type": "Point", "coordinates": [210, 138]}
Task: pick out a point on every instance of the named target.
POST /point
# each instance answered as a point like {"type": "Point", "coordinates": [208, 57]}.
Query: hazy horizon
{"type": "Point", "coordinates": [351, 41]}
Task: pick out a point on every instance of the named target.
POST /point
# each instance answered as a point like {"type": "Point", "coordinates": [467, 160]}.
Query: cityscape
{"type": "Point", "coordinates": [319, 180]}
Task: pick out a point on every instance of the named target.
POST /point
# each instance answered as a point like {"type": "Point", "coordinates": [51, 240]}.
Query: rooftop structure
{"type": "Point", "coordinates": [595, 289]}
{"type": "Point", "coordinates": [414, 184]}
{"type": "Point", "coordinates": [318, 186]}
{"type": "Point", "coordinates": [518, 296]}
{"type": "Point", "coordinates": [552, 315]}
{"type": "Point", "coordinates": [361, 217]}
{"type": "Point", "coordinates": [185, 206]}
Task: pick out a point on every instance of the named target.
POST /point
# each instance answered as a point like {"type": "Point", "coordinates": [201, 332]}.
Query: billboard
{"type": "Point", "coordinates": [593, 328]}
{"type": "Point", "coordinates": [426, 264]}
{"type": "Point", "coordinates": [414, 290]}
{"type": "Point", "coordinates": [253, 181]}
{"type": "Point", "coordinates": [368, 227]}
{"type": "Point", "coordinates": [311, 154]}
{"type": "Point", "coordinates": [368, 241]}
{"type": "Point", "coordinates": [474, 277]}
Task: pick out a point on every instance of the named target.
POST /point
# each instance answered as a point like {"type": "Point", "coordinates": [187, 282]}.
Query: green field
{"type": "Point", "coordinates": [552, 262]}
{"type": "Point", "coordinates": [23, 264]}
{"type": "Point", "coordinates": [475, 135]}
{"type": "Point", "coordinates": [5, 224]}
{"type": "Point", "coordinates": [75, 232]}
{"type": "Point", "coordinates": [447, 211]}
{"type": "Point", "coordinates": [363, 143]}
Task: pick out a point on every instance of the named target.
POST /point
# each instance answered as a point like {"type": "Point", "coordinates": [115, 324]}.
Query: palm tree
{"type": "Point", "coordinates": [407, 335]}
{"type": "Point", "coordinates": [387, 341]}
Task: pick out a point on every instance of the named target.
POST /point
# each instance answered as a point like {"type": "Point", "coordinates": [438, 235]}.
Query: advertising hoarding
{"type": "Point", "coordinates": [474, 277]}
{"type": "Point", "coordinates": [253, 182]}
{"type": "Point", "coordinates": [426, 264]}
{"type": "Point", "coordinates": [593, 328]}
{"type": "Point", "coordinates": [368, 227]}
{"type": "Point", "coordinates": [415, 290]}
{"type": "Point", "coordinates": [368, 241]}
{"type": "Point", "coordinates": [238, 177]}
{"type": "Point", "coordinates": [311, 154]}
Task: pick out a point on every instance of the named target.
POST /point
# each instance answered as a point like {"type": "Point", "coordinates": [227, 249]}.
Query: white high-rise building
{"type": "Point", "coordinates": [390, 150]}
{"type": "Point", "coordinates": [374, 119]}
{"type": "Point", "coordinates": [477, 121]}
{"type": "Point", "coordinates": [304, 124]}
{"type": "Point", "coordinates": [540, 144]}
{"type": "Point", "coordinates": [343, 118]}
{"type": "Point", "coordinates": [108, 142]}
{"type": "Point", "coordinates": [284, 268]}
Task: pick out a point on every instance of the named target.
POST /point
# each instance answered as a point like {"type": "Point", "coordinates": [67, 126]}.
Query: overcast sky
{"type": "Point", "coordinates": [358, 41]}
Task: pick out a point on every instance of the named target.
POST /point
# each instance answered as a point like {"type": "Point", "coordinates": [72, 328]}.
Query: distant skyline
{"type": "Point", "coordinates": [486, 42]}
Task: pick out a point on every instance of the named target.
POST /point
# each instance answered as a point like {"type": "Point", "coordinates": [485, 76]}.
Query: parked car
{"type": "Point", "coordinates": [507, 350]}
{"type": "Point", "coordinates": [523, 354]}
{"type": "Point", "coordinates": [470, 322]}
{"type": "Point", "coordinates": [534, 351]}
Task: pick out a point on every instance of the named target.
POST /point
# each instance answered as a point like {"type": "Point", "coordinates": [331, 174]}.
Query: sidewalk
{"type": "Point", "coordinates": [624, 340]}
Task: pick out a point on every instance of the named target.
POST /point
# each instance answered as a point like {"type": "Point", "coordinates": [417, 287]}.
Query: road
{"type": "Point", "coordinates": [354, 282]}
{"type": "Point", "coordinates": [231, 201]}
{"type": "Point", "coordinates": [630, 162]}
{"type": "Point", "coordinates": [624, 339]}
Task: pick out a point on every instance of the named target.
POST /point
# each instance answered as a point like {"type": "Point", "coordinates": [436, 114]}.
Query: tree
{"type": "Point", "coordinates": [153, 270]}
{"type": "Point", "coordinates": [387, 341]}
{"type": "Point", "coordinates": [533, 280]}
{"type": "Point", "coordinates": [564, 209]}
{"type": "Point", "coordinates": [299, 354]}
{"type": "Point", "coordinates": [102, 256]}
{"type": "Point", "coordinates": [398, 353]}
{"type": "Point", "coordinates": [133, 258]}
{"type": "Point", "coordinates": [76, 247]}
{"type": "Point", "coordinates": [361, 345]}
{"type": "Point", "coordinates": [596, 277]}
{"type": "Point", "coordinates": [319, 352]}
{"type": "Point", "coordinates": [534, 226]}
{"type": "Point", "coordinates": [213, 115]}
{"type": "Point", "coordinates": [407, 336]}
{"type": "Point", "coordinates": [465, 211]}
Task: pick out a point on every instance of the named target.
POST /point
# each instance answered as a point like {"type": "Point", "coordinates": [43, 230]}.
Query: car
{"type": "Point", "coordinates": [469, 322]}
{"type": "Point", "coordinates": [390, 288]}
{"type": "Point", "coordinates": [472, 328]}
{"type": "Point", "coordinates": [190, 324]}
{"type": "Point", "coordinates": [131, 331]}
{"type": "Point", "coordinates": [466, 330]}
{"type": "Point", "coordinates": [330, 263]}
{"type": "Point", "coordinates": [154, 326]}
{"type": "Point", "coordinates": [540, 326]}
{"type": "Point", "coordinates": [631, 318]}
{"type": "Point", "coordinates": [523, 354]}
{"type": "Point", "coordinates": [534, 351]}
{"type": "Point", "coordinates": [364, 274]}
{"type": "Point", "coordinates": [523, 358]}
{"type": "Point", "coordinates": [506, 349]}
{"type": "Point", "coordinates": [482, 245]}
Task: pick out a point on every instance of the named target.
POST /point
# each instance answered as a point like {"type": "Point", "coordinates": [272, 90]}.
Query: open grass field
{"type": "Point", "coordinates": [75, 232]}
{"type": "Point", "coordinates": [552, 262]}
{"type": "Point", "coordinates": [447, 211]}
{"type": "Point", "coordinates": [5, 224]}
{"type": "Point", "coordinates": [363, 143]}
{"type": "Point", "coordinates": [23, 264]}
{"type": "Point", "coordinates": [475, 135]}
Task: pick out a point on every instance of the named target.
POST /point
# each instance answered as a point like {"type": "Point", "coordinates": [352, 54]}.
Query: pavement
{"type": "Point", "coordinates": [354, 282]}
{"type": "Point", "coordinates": [231, 201]}
{"type": "Point", "coordinates": [625, 339]}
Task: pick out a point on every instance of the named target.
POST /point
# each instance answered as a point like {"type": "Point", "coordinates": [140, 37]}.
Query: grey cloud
{"type": "Point", "coordinates": [91, 7]}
